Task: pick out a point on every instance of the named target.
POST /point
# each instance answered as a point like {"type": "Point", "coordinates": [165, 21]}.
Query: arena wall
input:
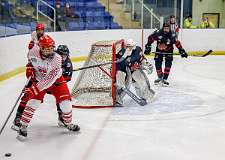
{"type": "Point", "coordinates": [13, 49]}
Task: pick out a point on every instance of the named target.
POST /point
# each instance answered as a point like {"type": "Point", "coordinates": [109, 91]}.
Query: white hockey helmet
{"type": "Point", "coordinates": [130, 43]}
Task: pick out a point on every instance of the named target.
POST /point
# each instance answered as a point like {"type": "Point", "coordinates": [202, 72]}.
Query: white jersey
{"type": "Point", "coordinates": [34, 37]}
{"type": "Point", "coordinates": [46, 70]}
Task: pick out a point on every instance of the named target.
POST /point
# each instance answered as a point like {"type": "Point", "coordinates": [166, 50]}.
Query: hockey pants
{"type": "Point", "coordinates": [158, 65]}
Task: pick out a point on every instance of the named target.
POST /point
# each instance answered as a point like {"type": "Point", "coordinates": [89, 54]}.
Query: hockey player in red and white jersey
{"type": "Point", "coordinates": [36, 35]}
{"type": "Point", "coordinates": [47, 67]}
{"type": "Point", "coordinates": [174, 26]}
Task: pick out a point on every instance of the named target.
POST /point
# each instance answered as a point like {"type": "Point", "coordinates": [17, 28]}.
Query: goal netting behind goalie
{"type": "Point", "coordinates": [94, 87]}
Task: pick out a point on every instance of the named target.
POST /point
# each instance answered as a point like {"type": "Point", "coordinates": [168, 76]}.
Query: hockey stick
{"type": "Point", "coordinates": [21, 93]}
{"type": "Point", "coordinates": [164, 53]}
{"type": "Point", "coordinates": [96, 65]}
{"type": "Point", "coordinates": [204, 55]}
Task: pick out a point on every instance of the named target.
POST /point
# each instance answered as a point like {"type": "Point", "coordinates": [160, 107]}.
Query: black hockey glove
{"type": "Point", "coordinates": [148, 48]}
{"type": "Point", "coordinates": [183, 53]}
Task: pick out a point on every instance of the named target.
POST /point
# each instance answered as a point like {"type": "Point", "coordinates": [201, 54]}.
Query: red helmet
{"type": "Point", "coordinates": [46, 41]}
{"type": "Point", "coordinates": [40, 26]}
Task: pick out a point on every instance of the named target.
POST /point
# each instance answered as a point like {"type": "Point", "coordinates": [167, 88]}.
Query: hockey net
{"type": "Point", "coordinates": [94, 87]}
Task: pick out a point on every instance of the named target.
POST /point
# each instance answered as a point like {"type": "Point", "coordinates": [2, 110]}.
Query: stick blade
{"type": "Point", "coordinates": [206, 54]}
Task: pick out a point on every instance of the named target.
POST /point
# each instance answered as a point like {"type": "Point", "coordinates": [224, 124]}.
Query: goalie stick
{"type": "Point", "coordinates": [138, 100]}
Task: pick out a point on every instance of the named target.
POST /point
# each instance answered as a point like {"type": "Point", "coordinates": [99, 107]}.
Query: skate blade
{"type": "Point", "coordinates": [164, 85]}
{"type": "Point", "coordinates": [21, 138]}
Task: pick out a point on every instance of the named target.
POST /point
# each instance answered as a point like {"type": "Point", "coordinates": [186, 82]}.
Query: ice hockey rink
{"type": "Point", "coordinates": [185, 121]}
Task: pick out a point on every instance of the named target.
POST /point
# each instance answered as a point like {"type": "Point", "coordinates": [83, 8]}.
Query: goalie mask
{"type": "Point", "coordinates": [130, 43]}
{"type": "Point", "coordinates": [47, 45]}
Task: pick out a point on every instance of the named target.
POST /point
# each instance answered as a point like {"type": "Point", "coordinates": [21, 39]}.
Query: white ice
{"type": "Point", "coordinates": [185, 121]}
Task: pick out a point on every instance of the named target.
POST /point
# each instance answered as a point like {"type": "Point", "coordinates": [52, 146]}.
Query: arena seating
{"type": "Point", "coordinates": [92, 15]}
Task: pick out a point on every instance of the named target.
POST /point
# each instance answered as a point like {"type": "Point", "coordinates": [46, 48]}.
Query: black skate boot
{"type": "Point", "coordinates": [157, 81]}
{"type": "Point", "coordinates": [16, 123]}
{"type": "Point", "coordinates": [165, 83]}
{"type": "Point", "coordinates": [22, 133]}
{"type": "Point", "coordinates": [72, 127]}
{"type": "Point", "coordinates": [60, 119]}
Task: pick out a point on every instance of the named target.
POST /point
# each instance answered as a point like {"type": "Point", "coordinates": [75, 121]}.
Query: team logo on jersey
{"type": "Point", "coordinates": [168, 41]}
{"type": "Point", "coordinates": [42, 71]}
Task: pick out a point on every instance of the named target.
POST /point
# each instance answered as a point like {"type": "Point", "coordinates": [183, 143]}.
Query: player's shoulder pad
{"type": "Point", "coordinates": [138, 48]}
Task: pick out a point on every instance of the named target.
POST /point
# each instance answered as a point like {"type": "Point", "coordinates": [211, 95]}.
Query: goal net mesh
{"type": "Point", "coordinates": [94, 87]}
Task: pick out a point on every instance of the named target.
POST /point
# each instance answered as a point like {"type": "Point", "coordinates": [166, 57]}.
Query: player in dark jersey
{"type": "Point", "coordinates": [165, 40]}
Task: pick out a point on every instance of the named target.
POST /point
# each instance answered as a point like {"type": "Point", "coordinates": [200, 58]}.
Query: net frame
{"type": "Point", "coordinates": [114, 46]}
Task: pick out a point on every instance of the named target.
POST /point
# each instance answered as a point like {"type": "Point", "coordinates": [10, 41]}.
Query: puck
{"type": "Point", "coordinates": [8, 154]}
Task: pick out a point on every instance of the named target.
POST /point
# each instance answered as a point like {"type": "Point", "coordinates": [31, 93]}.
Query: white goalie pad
{"type": "Point", "coordinates": [142, 85]}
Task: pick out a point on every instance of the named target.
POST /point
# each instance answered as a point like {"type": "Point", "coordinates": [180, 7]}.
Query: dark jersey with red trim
{"type": "Point", "coordinates": [165, 41]}
{"type": "Point", "coordinates": [67, 68]}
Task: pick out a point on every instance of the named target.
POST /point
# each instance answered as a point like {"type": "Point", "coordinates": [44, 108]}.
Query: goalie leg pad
{"type": "Point", "coordinates": [142, 85]}
{"type": "Point", "coordinates": [120, 79]}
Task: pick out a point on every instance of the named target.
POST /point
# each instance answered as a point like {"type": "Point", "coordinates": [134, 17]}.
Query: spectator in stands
{"type": "Point", "coordinates": [59, 16]}
{"type": "Point", "coordinates": [69, 12]}
{"type": "Point", "coordinates": [188, 22]}
{"type": "Point", "coordinates": [205, 23]}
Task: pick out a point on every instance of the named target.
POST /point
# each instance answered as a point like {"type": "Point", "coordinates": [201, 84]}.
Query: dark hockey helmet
{"type": "Point", "coordinates": [165, 24]}
{"type": "Point", "coordinates": [166, 28]}
{"type": "Point", "coordinates": [63, 50]}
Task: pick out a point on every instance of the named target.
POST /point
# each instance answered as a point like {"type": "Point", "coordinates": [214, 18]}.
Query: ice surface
{"type": "Point", "coordinates": [185, 121]}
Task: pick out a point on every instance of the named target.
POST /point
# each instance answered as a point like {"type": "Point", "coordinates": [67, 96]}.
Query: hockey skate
{"type": "Point", "coordinates": [16, 124]}
{"type": "Point", "coordinates": [157, 81]}
{"type": "Point", "coordinates": [60, 119]}
{"type": "Point", "coordinates": [72, 127]}
{"type": "Point", "coordinates": [60, 122]}
{"type": "Point", "coordinates": [22, 133]}
{"type": "Point", "coordinates": [165, 83]}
